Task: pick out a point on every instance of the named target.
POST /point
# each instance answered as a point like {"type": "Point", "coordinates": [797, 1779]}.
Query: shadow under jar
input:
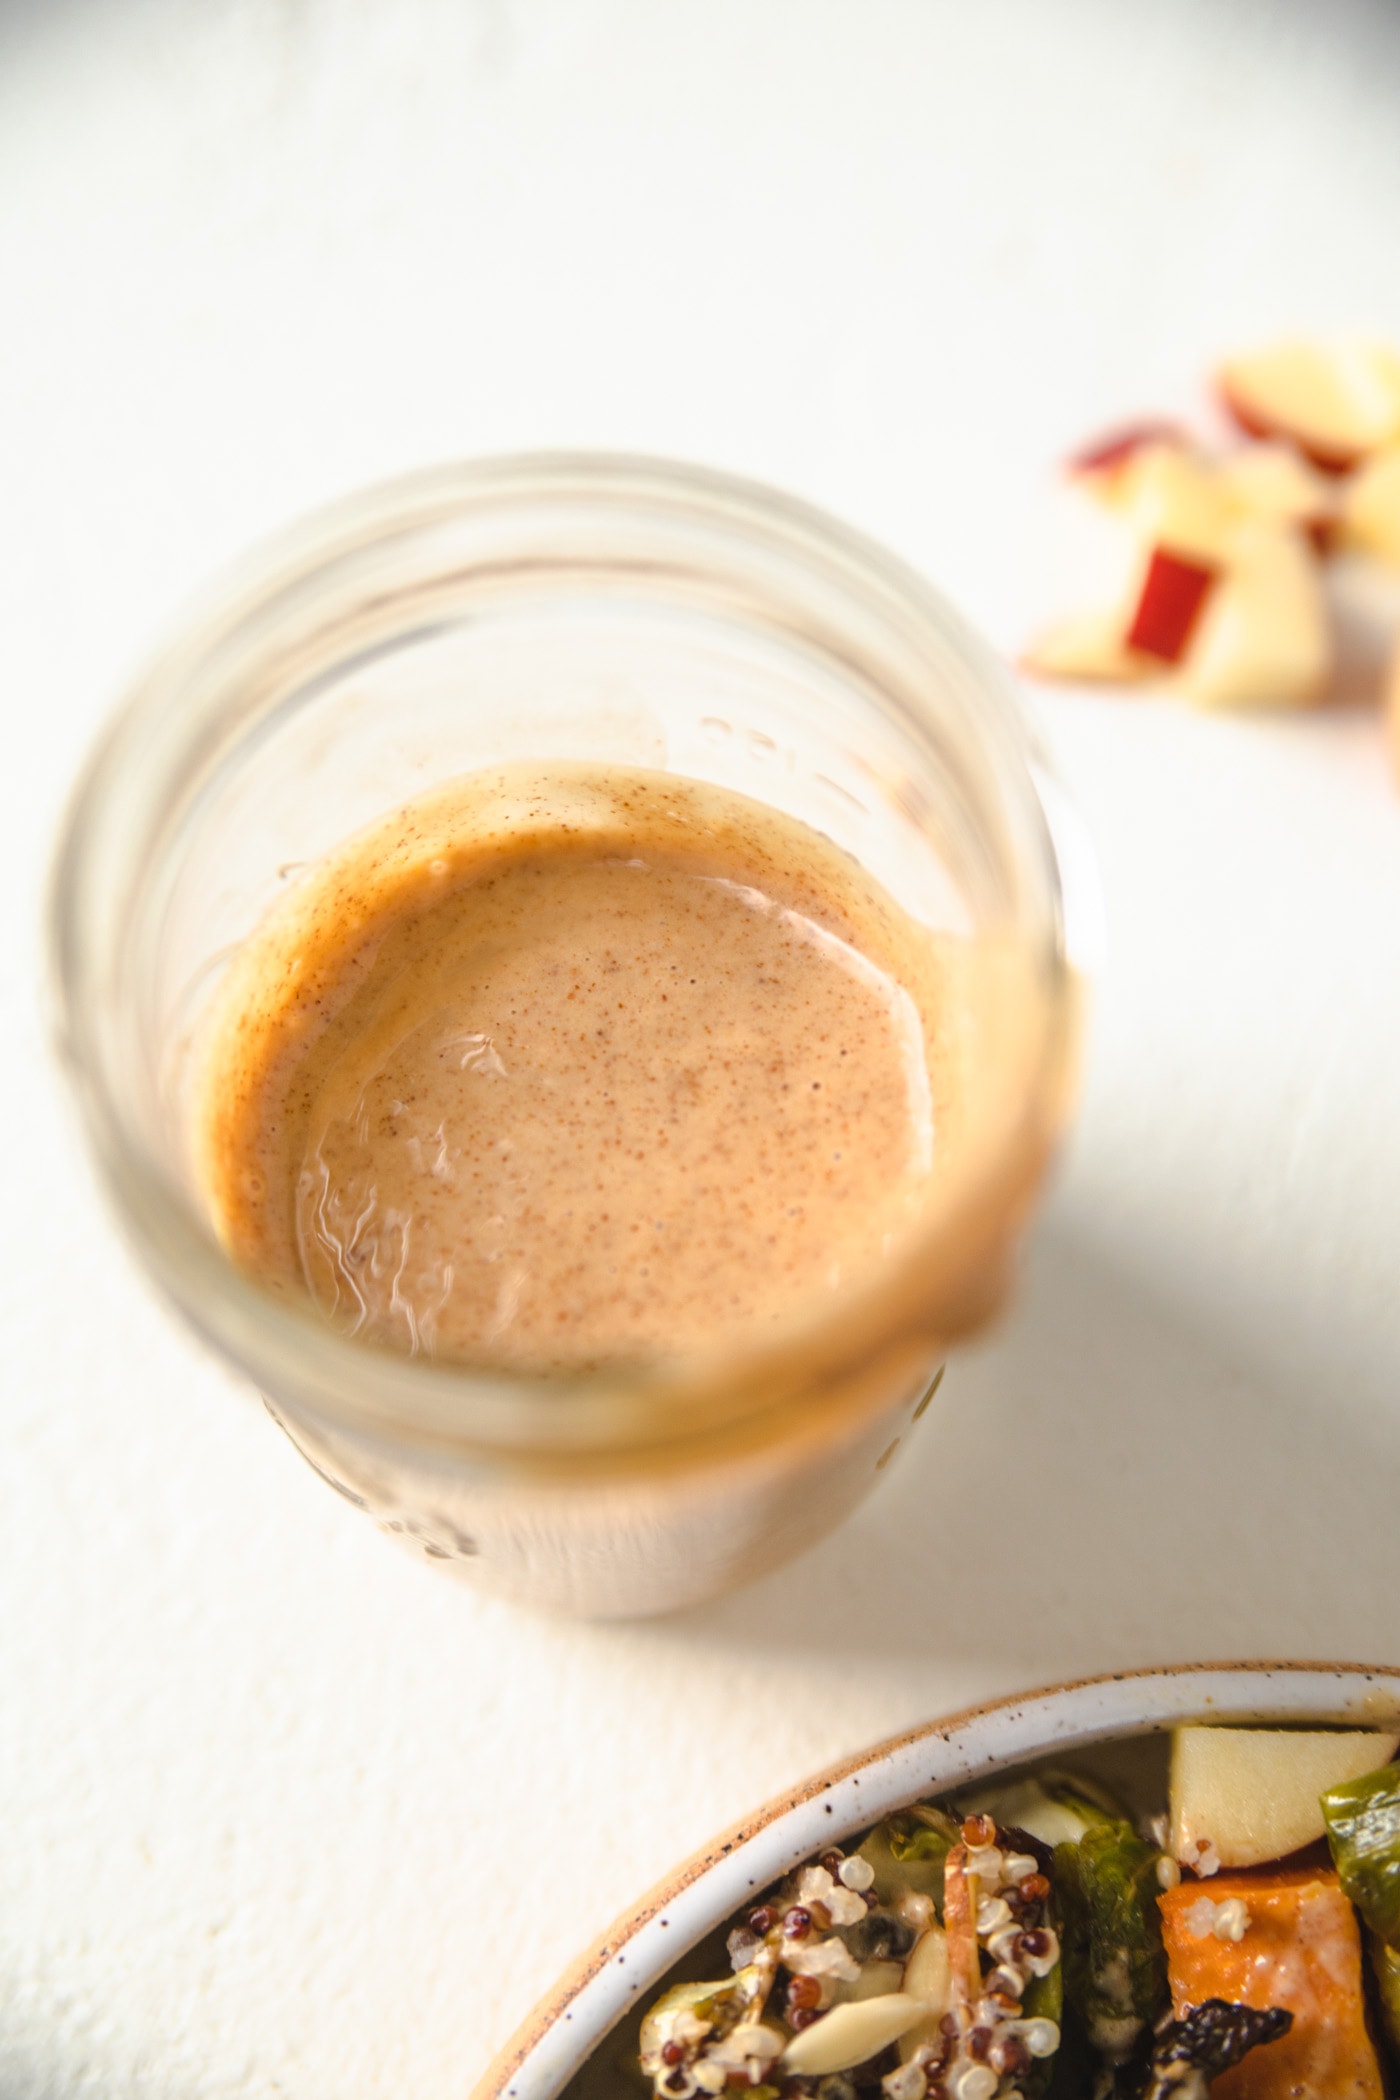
{"type": "Point", "coordinates": [620, 618]}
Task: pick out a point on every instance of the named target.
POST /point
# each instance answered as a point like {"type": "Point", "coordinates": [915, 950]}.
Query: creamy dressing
{"type": "Point", "coordinates": [565, 1065]}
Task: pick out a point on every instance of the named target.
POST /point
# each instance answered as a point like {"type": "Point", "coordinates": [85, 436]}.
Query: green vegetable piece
{"type": "Point", "coordinates": [707, 2001]}
{"type": "Point", "coordinates": [1115, 1967]}
{"type": "Point", "coordinates": [907, 1853]}
{"type": "Point", "coordinates": [723, 2005]}
{"type": "Point", "coordinates": [1045, 1996]}
{"type": "Point", "coordinates": [1044, 2000]}
{"type": "Point", "coordinates": [1363, 1830]}
{"type": "Point", "coordinates": [1082, 1797]}
{"type": "Point", "coordinates": [1057, 1808]}
{"type": "Point", "coordinates": [1385, 1967]}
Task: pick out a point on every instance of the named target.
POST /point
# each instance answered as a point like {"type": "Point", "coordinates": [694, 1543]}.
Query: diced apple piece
{"type": "Point", "coordinates": [1271, 482]}
{"type": "Point", "coordinates": [1213, 578]}
{"type": "Point", "coordinates": [1298, 1946]}
{"type": "Point", "coordinates": [1337, 402]}
{"type": "Point", "coordinates": [849, 2034]}
{"type": "Point", "coordinates": [1173, 593]}
{"type": "Point", "coordinates": [1172, 498]}
{"type": "Point", "coordinates": [1264, 638]}
{"type": "Point", "coordinates": [1242, 1796]}
{"type": "Point", "coordinates": [1161, 518]}
{"type": "Point", "coordinates": [1090, 648]}
{"type": "Point", "coordinates": [1371, 507]}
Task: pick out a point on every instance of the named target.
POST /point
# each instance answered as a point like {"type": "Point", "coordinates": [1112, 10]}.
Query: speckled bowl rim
{"type": "Point", "coordinates": [637, 1950]}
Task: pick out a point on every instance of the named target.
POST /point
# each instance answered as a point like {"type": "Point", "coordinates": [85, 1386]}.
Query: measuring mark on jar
{"type": "Point", "coordinates": [321, 1471]}
{"type": "Point", "coordinates": [933, 1388]}
{"type": "Point", "coordinates": [825, 780]}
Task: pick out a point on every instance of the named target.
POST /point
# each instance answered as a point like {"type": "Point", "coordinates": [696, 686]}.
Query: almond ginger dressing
{"type": "Point", "coordinates": [562, 1065]}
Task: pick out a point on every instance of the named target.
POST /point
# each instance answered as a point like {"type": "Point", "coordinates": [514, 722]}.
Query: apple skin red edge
{"type": "Point", "coordinates": [1174, 591]}
{"type": "Point", "coordinates": [1102, 455]}
{"type": "Point", "coordinates": [1328, 459]}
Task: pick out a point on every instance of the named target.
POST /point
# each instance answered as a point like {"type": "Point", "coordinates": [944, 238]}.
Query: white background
{"type": "Point", "coordinates": [280, 1810]}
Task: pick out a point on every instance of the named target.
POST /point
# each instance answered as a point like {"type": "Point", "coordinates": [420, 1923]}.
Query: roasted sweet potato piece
{"type": "Point", "coordinates": [1298, 1946]}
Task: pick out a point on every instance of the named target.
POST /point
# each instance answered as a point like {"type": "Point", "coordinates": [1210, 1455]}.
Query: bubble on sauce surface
{"type": "Point", "coordinates": [359, 1257]}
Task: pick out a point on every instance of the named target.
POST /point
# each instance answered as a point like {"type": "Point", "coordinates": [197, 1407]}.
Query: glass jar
{"type": "Point", "coordinates": [589, 608]}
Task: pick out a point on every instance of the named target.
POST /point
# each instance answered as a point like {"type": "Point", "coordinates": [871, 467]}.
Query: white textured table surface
{"type": "Point", "coordinates": [281, 1811]}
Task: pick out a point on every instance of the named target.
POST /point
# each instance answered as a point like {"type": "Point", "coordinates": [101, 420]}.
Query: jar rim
{"type": "Point", "coordinates": [289, 1347]}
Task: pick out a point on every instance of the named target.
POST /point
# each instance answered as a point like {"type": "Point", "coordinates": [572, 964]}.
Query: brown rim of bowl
{"type": "Point", "coordinates": [532, 2030]}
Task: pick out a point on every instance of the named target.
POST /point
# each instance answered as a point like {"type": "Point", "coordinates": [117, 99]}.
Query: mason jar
{"type": "Point", "coordinates": [621, 612]}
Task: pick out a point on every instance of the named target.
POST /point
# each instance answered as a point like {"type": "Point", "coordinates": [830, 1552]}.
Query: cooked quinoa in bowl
{"type": "Point", "coordinates": [1037, 1940]}
{"type": "Point", "coordinates": [1206, 1903]}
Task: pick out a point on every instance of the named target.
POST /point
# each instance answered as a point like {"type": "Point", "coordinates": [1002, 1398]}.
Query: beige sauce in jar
{"type": "Point", "coordinates": [563, 1065]}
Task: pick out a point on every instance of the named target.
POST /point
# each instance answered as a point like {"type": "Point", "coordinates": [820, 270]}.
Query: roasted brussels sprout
{"type": "Point", "coordinates": [1106, 1886]}
{"type": "Point", "coordinates": [1363, 1830]}
{"type": "Point", "coordinates": [908, 1851]}
{"type": "Point", "coordinates": [1385, 1967]}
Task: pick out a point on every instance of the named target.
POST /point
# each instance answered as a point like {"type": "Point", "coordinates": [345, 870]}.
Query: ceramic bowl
{"type": "Point", "coordinates": [620, 1972]}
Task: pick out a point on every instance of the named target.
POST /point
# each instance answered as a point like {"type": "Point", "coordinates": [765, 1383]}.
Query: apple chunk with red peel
{"type": "Point", "coordinates": [1243, 1796]}
{"type": "Point", "coordinates": [1171, 524]}
{"type": "Point", "coordinates": [1264, 638]}
{"type": "Point", "coordinates": [1260, 636]}
{"type": "Point", "coordinates": [1337, 402]}
{"type": "Point", "coordinates": [1218, 596]}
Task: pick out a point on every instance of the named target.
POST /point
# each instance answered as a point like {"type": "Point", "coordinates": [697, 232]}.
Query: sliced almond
{"type": "Point", "coordinates": [926, 1973]}
{"type": "Point", "coordinates": [928, 1979]}
{"type": "Point", "coordinates": [849, 2034]}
